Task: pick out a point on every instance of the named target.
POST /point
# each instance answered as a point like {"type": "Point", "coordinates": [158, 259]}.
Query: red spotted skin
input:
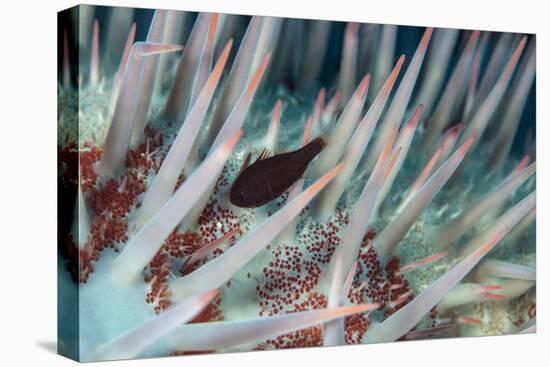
{"type": "Point", "coordinates": [268, 178]}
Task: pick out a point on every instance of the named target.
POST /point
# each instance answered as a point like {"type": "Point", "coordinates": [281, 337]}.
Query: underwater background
{"type": "Point", "coordinates": [428, 167]}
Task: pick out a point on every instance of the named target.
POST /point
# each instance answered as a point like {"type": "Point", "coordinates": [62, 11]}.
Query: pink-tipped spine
{"type": "Point", "coordinates": [164, 183]}
{"type": "Point", "coordinates": [141, 249]}
{"type": "Point", "coordinates": [478, 122]}
{"type": "Point", "coordinates": [339, 135]}
{"type": "Point", "coordinates": [219, 270]}
{"type": "Point", "coordinates": [348, 63]}
{"type": "Point", "coordinates": [519, 92]}
{"type": "Point", "coordinates": [346, 253]}
{"type": "Point", "coordinates": [330, 110]}
{"type": "Point", "coordinates": [118, 137]}
{"type": "Point", "coordinates": [122, 66]}
{"type": "Point", "coordinates": [132, 343]}
{"type": "Point", "coordinates": [508, 220]}
{"type": "Point", "coordinates": [402, 321]}
{"type": "Point", "coordinates": [450, 231]}
{"type": "Point", "coordinates": [94, 61]}
{"type": "Point", "coordinates": [454, 91]}
{"type": "Point", "coordinates": [210, 336]}
{"type": "Point", "coordinates": [437, 63]}
{"type": "Point", "coordinates": [407, 268]}
{"type": "Point", "coordinates": [273, 129]}
{"type": "Point", "coordinates": [326, 202]}
{"type": "Point", "coordinates": [403, 141]}
{"type": "Point", "coordinates": [318, 111]}
{"type": "Point", "coordinates": [179, 96]}
{"type": "Point", "coordinates": [396, 110]}
{"type": "Point", "coordinates": [66, 62]}
{"type": "Point", "coordinates": [394, 232]}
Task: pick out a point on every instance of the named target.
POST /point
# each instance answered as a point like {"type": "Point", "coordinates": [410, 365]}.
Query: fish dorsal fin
{"type": "Point", "coordinates": [281, 149]}
{"type": "Point", "coordinates": [264, 154]}
{"type": "Point", "coordinates": [246, 163]}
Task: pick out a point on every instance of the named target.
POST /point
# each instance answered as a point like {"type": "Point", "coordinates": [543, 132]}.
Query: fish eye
{"type": "Point", "coordinates": [242, 195]}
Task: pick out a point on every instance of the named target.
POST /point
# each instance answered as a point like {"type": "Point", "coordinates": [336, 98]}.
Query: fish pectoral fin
{"type": "Point", "coordinates": [269, 188]}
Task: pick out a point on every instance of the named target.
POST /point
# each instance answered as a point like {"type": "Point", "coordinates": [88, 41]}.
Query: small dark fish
{"type": "Point", "coordinates": [269, 177]}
